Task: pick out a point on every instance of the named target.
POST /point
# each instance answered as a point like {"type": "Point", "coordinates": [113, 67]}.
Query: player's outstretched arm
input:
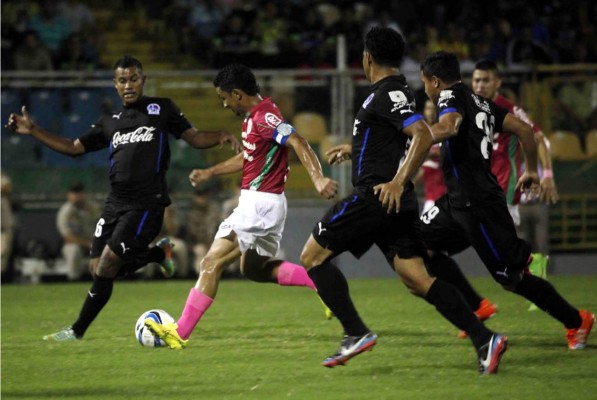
{"type": "Point", "coordinates": [525, 135]}
{"type": "Point", "coordinates": [207, 139]}
{"type": "Point", "coordinates": [24, 125]}
{"type": "Point", "coordinates": [231, 165]}
{"type": "Point", "coordinates": [326, 187]}
{"type": "Point", "coordinates": [549, 191]}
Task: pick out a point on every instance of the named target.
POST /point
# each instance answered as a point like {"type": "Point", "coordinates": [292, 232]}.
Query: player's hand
{"type": "Point", "coordinates": [20, 123]}
{"type": "Point", "coordinates": [227, 137]}
{"type": "Point", "coordinates": [389, 195]}
{"type": "Point", "coordinates": [199, 175]}
{"type": "Point", "coordinates": [549, 192]}
{"type": "Point", "coordinates": [339, 154]}
{"type": "Point", "coordinates": [529, 184]}
{"type": "Point", "coordinates": [326, 187]}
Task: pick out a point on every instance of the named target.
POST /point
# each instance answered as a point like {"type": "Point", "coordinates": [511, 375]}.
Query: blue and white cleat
{"type": "Point", "coordinates": [351, 346]}
{"type": "Point", "coordinates": [491, 353]}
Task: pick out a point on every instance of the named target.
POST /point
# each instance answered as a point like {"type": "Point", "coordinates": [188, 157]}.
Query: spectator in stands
{"type": "Point", "coordinates": [350, 26]}
{"type": "Point", "coordinates": [32, 55]}
{"type": "Point", "coordinates": [203, 219]}
{"type": "Point", "coordinates": [77, 53]}
{"type": "Point", "coordinates": [523, 50]}
{"type": "Point", "coordinates": [77, 14]}
{"type": "Point", "coordinates": [51, 26]}
{"type": "Point", "coordinates": [235, 41]}
{"type": "Point", "coordinates": [7, 224]}
{"type": "Point", "coordinates": [75, 221]}
{"type": "Point", "coordinates": [270, 32]}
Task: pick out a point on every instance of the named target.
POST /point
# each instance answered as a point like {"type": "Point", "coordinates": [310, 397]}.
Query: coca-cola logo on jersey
{"type": "Point", "coordinates": [141, 134]}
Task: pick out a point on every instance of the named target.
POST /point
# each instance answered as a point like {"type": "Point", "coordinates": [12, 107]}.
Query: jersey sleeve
{"type": "Point", "coordinates": [520, 113]}
{"type": "Point", "coordinates": [449, 102]}
{"type": "Point", "coordinates": [272, 126]}
{"type": "Point", "coordinates": [95, 139]}
{"type": "Point", "coordinates": [177, 122]}
{"type": "Point", "coordinates": [397, 107]}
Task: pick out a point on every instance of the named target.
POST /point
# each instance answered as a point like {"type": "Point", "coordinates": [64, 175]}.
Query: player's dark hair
{"type": "Point", "coordinates": [385, 45]}
{"type": "Point", "coordinates": [488, 65]}
{"type": "Point", "coordinates": [128, 62]}
{"type": "Point", "coordinates": [237, 76]}
{"type": "Point", "coordinates": [442, 64]}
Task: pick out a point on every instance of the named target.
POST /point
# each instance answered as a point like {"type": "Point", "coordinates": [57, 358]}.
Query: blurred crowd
{"type": "Point", "coordinates": [42, 35]}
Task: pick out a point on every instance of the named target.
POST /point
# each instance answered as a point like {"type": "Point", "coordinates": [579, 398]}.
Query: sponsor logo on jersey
{"type": "Point", "coordinates": [117, 116]}
{"type": "Point", "coordinates": [272, 120]}
{"type": "Point", "coordinates": [481, 103]}
{"type": "Point", "coordinates": [153, 109]}
{"type": "Point", "coordinates": [368, 100]}
{"type": "Point", "coordinates": [141, 134]}
{"type": "Point", "coordinates": [444, 96]}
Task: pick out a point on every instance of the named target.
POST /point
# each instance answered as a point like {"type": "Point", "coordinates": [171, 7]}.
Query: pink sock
{"type": "Point", "coordinates": [290, 274]}
{"type": "Point", "coordinates": [196, 305]}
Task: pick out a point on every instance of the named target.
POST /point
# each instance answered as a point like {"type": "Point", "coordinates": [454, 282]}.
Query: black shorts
{"type": "Point", "coordinates": [487, 227]}
{"type": "Point", "coordinates": [128, 232]}
{"type": "Point", "coordinates": [356, 223]}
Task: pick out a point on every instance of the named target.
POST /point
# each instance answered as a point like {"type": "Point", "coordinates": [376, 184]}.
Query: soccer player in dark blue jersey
{"type": "Point", "coordinates": [389, 143]}
{"type": "Point", "coordinates": [137, 136]}
{"type": "Point", "coordinates": [474, 211]}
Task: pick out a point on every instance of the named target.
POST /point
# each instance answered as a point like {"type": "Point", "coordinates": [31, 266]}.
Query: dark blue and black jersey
{"type": "Point", "coordinates": [137, 136]}
{"type": "Point", "coordinates": [465, 158]}
{"type": "Point", "coordinates": [378, 144]}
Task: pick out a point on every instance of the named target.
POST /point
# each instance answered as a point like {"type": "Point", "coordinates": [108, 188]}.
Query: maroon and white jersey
{"type": "Point", "coordinates": [506, 159]}
{"type": "Point", "coordinates": [264, 136]}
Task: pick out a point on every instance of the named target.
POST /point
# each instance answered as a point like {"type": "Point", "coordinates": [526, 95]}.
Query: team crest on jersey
{"type": "Point", "coordinates": [272, 120]}
{"type": "Point", "coordinates": [481, 103]}
{"type": "Point", "coordinates": [368, 100]}
{"type": "Point", "coordinates": [444, 96]}
{"type": "Point", "coordinates": [153, 109]}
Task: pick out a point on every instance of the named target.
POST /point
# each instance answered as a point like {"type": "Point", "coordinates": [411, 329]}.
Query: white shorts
{"type": "Point", "coordinates": [258, 222]}
{"type": "Point", "coordinates": [515, 213]}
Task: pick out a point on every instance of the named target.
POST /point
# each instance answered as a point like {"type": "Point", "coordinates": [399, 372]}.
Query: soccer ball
{"type": "Point", "coordinates": [146, 337]}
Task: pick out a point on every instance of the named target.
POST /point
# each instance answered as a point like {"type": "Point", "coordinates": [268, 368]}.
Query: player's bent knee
{"type": "Point", "coordinates": [511, 281]}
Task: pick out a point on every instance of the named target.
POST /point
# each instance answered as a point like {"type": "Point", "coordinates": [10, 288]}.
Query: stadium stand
{"type": "Point", "coordinates": [566, 146]}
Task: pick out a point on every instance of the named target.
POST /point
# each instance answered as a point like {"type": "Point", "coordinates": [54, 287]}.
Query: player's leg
{"type": "Point", "coordinates": [506, 256]}
{"type": "Point", "coordinates": [442, 235]}
{"type": "Point", "coordinates": [332, 287]}
{"type": "Point", "coordinates": [223, 251]}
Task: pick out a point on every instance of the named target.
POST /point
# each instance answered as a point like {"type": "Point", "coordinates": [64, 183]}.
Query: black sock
{"type": "Point", "coordinates": [332, 287]}
{"type": "Point", "coordinates": [97, 297]}
{"type": "Point", "coordinates": [451, 304]}
{"type": "Point", "coordinates": [155, 255]}
{"type": "Point", "coordinates": [547, 298]}
{"type": "Point", "coordinates": [445, 268]}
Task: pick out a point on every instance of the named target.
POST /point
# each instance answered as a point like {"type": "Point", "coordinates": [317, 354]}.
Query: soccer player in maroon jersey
{"type": "Point", "coordinates": [254, 230]}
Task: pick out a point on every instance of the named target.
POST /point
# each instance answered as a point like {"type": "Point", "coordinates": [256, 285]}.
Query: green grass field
{"type": "Point", "coordinates": [266, 342]}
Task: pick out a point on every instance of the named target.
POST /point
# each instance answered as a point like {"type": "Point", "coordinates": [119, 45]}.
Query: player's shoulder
{"type": "Point", "coordinates": [267, 114]}
{"type": "Point", "coordinates": [393, 83]}
{"type": "Point", "coordinates": [502, 101]}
